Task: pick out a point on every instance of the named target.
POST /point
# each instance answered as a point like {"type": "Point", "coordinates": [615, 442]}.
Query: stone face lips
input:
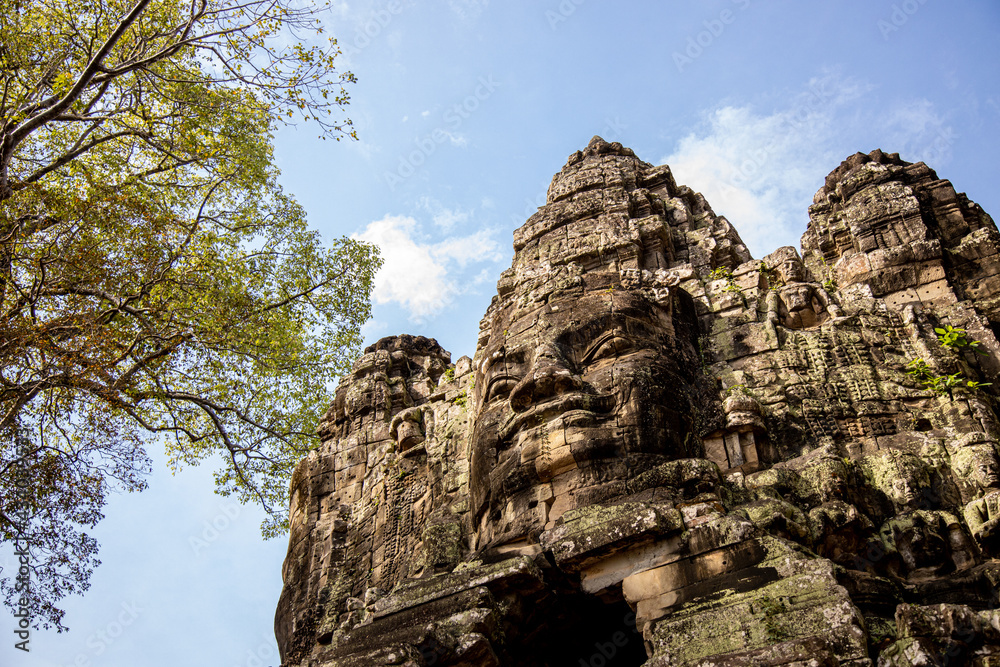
{"type": "Point", "coordinates": [665, 452]}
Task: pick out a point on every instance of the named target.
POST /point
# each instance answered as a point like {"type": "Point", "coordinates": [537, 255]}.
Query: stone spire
{"type": "Point", "coordinates": [665, 452]}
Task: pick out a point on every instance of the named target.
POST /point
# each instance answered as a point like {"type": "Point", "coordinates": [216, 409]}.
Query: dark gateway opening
{"type": "Point", "coordinates": [578, 630]}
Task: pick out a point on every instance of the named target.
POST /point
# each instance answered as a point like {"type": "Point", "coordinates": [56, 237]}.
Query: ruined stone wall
{"type": "Point", "coordinates": [666, 452]}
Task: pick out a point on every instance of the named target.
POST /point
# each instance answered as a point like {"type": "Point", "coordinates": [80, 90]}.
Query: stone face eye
{"type": "Point", "coordinates": [607, 347]}
{"type": "Point", "coordinates": [499, 387]}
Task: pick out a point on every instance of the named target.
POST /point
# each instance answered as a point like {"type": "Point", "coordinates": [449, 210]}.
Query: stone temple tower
{"type": "Point", "coordinates": [666, 452]}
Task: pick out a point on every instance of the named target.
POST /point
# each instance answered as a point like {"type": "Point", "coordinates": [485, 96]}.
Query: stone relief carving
{"type": "Point", "coordinates": [652, 464]}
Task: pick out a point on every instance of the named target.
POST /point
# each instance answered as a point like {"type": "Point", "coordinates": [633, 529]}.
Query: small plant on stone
{"type": "Point", "coordinates": [952, 381]}
{"type": "Point", "coordinates": [940, 384]}
{"type": "Point", "coordinates": [724, 273]}
{"type": "Point", "coordinates": [935, 384]}
{"type": "Point", "coordinates": [955, 338]}
{"type": "Point", "coordinates": [919, 370]}
{"type": "Point", "coordinates": [721, 273]}
{"type": "Point", "coordinates": [740, 389]}
{"type": "Point", "coordinates": [773, 277]}
{"type": "Point", "coordinates": [829, 283]}
{"type": "Point", "coordinates": [449, 375]}
{"type": "Point", "coordinates": [734, 288]}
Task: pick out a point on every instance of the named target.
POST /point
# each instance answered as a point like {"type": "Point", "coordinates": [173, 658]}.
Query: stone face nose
{"type": "Point", "coordinates": [550, 375]}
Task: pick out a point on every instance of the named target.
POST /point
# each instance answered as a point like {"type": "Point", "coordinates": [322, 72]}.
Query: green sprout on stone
{"type": "Point", "coordinates": [830, 283]}
{"type": "Point", "coordinates": [773, 277]}
{"type": "Point", "coordinates": [940, 384]}
{"type": "Point", "coordinates": [724, 273]}
{"type": "Point", "coordinates": [935, 384]}
{"type": "Point", "coordinates": [919, 370]}
{"type": "Point", "coordinates": [721, 273]}
{"type": "Point", "coordinates": [952, 381]}
{"type": "Point", "coordinates": [955, 338]}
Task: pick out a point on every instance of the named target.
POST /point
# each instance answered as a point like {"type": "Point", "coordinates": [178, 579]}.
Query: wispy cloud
{"type": "Point", "coordinates": [761, 170]}
{"type": "Point", "coordinates": [919, 133]}
{"type": "Point", "coordinates": [468, 10]}
{"type": "Point", "coordinates": [443, 217]}
{"type": "Point", "coordinates": [423, 276]}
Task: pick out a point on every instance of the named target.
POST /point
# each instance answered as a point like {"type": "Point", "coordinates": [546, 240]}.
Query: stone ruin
{"type": "Point", "coordinates": [666, 452]}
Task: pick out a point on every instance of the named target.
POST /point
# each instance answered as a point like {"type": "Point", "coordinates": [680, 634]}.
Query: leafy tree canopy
{"type": "Point", "coordinates": [155, 281]}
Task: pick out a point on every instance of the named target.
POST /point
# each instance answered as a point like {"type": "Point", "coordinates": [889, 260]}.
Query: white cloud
{"type": "Point", "coordinates": [762, 170]}
{"type": "Point", "coordinates": [418, 275]}
{"type": "Point", "coordinates": [479, 247]}
{"type": "Point", "coordinates": [445, 218]}
{"type": "Point", "coordinates": [918, 133]}
{"type": "Point", "coordinates": [425, 114]}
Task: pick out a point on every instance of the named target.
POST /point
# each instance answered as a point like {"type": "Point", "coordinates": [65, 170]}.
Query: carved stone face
{"type": "Point", "coordinates": [791, 271]}
{"type": "Point", "coordinates": [797, 298]}
{"type": "Point", "coordinates": [592, 392]}
{"type": "Point", "coordinates": [987, 474]}
{"type": "Point", "coordinates": [800, 307]}
{"type": "Point", "coordinates": [978, 466]}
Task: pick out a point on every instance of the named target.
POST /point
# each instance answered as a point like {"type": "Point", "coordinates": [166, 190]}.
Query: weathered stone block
{"type": "Point", "coordinates": [751, 470]}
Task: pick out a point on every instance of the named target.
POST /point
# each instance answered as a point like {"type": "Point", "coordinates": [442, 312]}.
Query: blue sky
{"type": "Point", "coordinates": [465, 109]}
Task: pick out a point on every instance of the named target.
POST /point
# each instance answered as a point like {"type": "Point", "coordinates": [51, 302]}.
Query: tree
{"type": "Point", "coordinates": [155, 281]}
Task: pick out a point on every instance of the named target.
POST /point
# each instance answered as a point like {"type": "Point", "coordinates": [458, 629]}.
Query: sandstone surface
{"type": "Point", "coordinates": [667, 453]}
